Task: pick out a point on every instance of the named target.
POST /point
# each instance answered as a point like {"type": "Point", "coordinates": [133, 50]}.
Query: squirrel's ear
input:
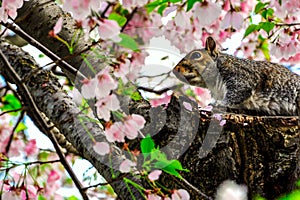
{"type": "Point", "coordinates": [211, 47]}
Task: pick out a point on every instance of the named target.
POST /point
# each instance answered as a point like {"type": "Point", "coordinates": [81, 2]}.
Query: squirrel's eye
{"type": "Point", "coordinates": [195, 56]}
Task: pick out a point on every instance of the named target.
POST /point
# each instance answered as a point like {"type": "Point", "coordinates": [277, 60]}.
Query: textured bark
{"type": "Point", "coordinates": [62, 111]}
{"type": "Point", "coordinates": [261, 152]}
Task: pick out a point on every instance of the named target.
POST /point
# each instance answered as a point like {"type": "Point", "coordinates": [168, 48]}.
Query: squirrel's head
{"type": "Point", "coordinates": [194, 66]}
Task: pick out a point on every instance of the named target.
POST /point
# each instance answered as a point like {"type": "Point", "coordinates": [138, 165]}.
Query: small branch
{"type": "Point", "coordinates": [197, 190]}
{"type": "Point", "coordinates": [105, 10]}
{"type": "Point", "coordinates": [10, 111]}
{"type": "Point", "coordinates": [45, 50]}
{"type": "Point", "coordinates": [157, 91]}
{"type": "Point", "coordinates": [107, 183]}
{"type": "Point", "coordinates": [129, 18]}
{"type": "Point", "coordinates": [13, 131]}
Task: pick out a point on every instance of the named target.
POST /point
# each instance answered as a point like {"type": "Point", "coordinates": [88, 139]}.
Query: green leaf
{"type": "Point", "coordinates": [136, 96]}
{"type": "Point", "coordinates": [267, 26]}
{"type": "Point", "coordinates": [265, 48]}
{"type": "Point", "coordinates": [128, 42]}
{"type": "Point", "coordinates": [267, 13]}
{"type": "Point", "coordinates": [21, 127]}
{"type": "Point", "coordinates": [118, 18]}
{"type": "Point", "coordinates": [161, 9]}
{"type": "Point", "coordinates": [40, 197]}
{"type": "Point", "coordinates": [151, 6]}
{"type": "Point", "coordinates": [147, 145]}
{"type": "Point", "coordinates": [171, 167]}
{"type": "Point", "coordinates": [190, 4]}
{"type": "Point", "coordinates": [250, 29]}
{"type": "Point", "coordinates": [10, 102]}
{"type": "Point", "coordinates": [291, 196]}
{"type": "Point", "coordinates": [72, 198]}
{"type": "Point", "coordinates": [259, 6]}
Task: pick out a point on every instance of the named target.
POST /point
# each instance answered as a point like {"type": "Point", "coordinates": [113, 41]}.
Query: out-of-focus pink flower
{"type": "Point", "coordinates": [106, 105]}
{"type": "Point", "coordinates": [133, 3]}
{"type": "Point", "coordinates": [126, 166]}
{"type": "Point", "coordinates": [101, 148]}
{"type": "Point", "coordinates": [203, 96]}
{"type": "Point", "coordinates": [207, 12]}
{"type": "Point", "coordinates": [30, 193]}
{"type": "Point", "coordinates": [105, 83]}
{"type": "Point", "coordinates": [81, 8]}
{"type": "Point", "coordinates": [115, 133]}
{"type": "Point", "coordinates": [31, 148]}
{"type": "Point", "coordinates": [187, 105]}
{"type": "Point", "coordinates": [164, 100]}
{"type": "Point", "coordinates": [53, 176]}
{"type": "Point", "coordinates": [180, 194]}
{"type": "Point", "coordinates": [232, 19]}
{"type": "Point", "coordinates": [109, 29]}
{"type": "Point", "coordinates": [154, 175]}
{"type": "Point", "coordinates": [132, 125]}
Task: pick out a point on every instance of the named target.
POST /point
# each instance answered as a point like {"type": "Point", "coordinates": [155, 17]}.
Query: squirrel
{"type": "Point", "coordinates": [260, 86]}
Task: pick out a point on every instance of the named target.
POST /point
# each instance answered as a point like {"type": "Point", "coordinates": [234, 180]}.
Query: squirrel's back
{"type": "Point", "coordinates": [241, 83]}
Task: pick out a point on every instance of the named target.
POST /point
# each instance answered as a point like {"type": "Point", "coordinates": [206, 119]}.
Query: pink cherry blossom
{"type": "Point", "coordinates": [232, 19]}
{"type": "Point", "coordinates": [11, 195]}
{"type": "Point", "coordinates": [207, 12]}
{"type": "Point", "coordinates": [101, 148]}
{"type": "Point", "coordinates": [182, 20]}
{"type": "Point", "coordinates": [30, 193]}
{"type": "Point", "coordinates": [9, 9]}
{"type": "Point", "coordinates": [203, 96]}
{"type": "Point", "coordinates": [154, 175]}
{"type": "Point", "coordinates": [81, 8]}
{"type": "Point", "coordinates": [188, 106]}
{"type": "Point", "coordinates": [133, 3]}
{"type": "Point", "coordinates": [127, 166]}
{"type": "Point", "coordinates": [31, 148]}
{"type": "Point", "coordinates": [115, 133]}
{"type": "Point", "coordinates": [58, 26]}
{"type": "Point", "coordinates": [123, 70]}
{"type": "Point", "coordinates": [105, 83]}
{"type": "Point", "coordinates": [53, 176]}
{"type": "Point", "coordinates": [153, 197]}
{"type": "Point", "coordinates": [88, 89]}
{"type": "Point", "coordinates": [164, 100]}
{"type": "Point", "coordinates": [106, 105]}
{"type": "Point", "coordinates": [109, 29]}
{"type": "Point", "coordinates": [132, 125]}
{"type": "Point", "coordinates": [180, 194]}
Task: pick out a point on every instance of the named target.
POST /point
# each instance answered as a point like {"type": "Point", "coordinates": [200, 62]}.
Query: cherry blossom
{"type": "Point", "coordinates": [180, 194]}
{"type": "Point", "coordinates": [154, 175]}
{"type": "Point", "coordinates": [101, 148]}
{"type": "Point", "coordinates": [122, 70]}
{"type": "Point", "coordinates": [31, 148]}
{"type": "Point", "coordinates": [58, 26]}
{"type": "Point", "coordinates": [132, 125]}
{"type": "Point", "coordinates": [105, 83]}
{"type": "Point", "coordinates": [203, 96]}
{"type": "Point", "coordinates": [88, 88]}
{"type": "Point", "coordinates": [207, 12]}
{"type": "Point", "coordinates": [106, 105]}
{"type": "Point", "coordinates": [232, 19]}
{"type": "Point", "coordinates": [109, 29]}
{"type": "Point", "coordinates": [81, 8]}
{"type": "Point", "coordinates": [164, 100]}
{"type": "Point", "coordinates": [153, 197]}
{"type": "Point", "coordinates": [9, 9]}
{"type": "Point", "coordinates": [127, 166]}
{"type": "Point", "coordinates": [115, 133]}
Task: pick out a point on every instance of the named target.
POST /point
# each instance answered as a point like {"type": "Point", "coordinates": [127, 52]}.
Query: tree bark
{"type": "Point", "coordinates": [261, 152]}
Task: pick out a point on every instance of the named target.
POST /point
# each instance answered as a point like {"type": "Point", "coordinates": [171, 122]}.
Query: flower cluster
{"type": "Point", "coordinates": [9, 9]}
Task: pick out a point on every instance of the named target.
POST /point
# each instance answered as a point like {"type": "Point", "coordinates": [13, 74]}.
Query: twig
{"type": "Point", "coordinates": [41, 122]}
{"type": "Point", "coordinates": [129, 18]}
{"type": "Point", "coordinates": [42, 48]}
{"type": "Point", "coordinates": [157, 91]}
{"type": "Point", "coordinates": [13, 131]}
{"type": "Point", "coordinates": [10, 111]}
{"type": "Point", "coordinates": [107, 183]}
